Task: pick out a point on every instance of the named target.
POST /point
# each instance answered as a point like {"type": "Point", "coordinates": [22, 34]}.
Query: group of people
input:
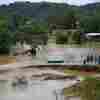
{"type": "Point", "coordinates": [32, 50]}
{"type": "Point", "coordinates": [90, 59]}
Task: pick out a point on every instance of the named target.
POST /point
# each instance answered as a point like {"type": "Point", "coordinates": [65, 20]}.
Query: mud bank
{"type": "Point", "coordinates": [34, 73]}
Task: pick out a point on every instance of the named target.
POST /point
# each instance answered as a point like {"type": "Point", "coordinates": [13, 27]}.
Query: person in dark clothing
{"type": "Point", "coordinates": [88, 58]}
{"type": "Point", "coordinates": [91, 58]}
{"type": "Point", "coordinates": [33, 51]}
{"type": "Point", "coordinates": [99, 60]}
{"type": "Point", "coordinates": [84, 62]}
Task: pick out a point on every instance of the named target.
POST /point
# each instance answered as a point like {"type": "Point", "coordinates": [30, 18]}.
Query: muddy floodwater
{"type": "Point", "coordinates": [34, 90]}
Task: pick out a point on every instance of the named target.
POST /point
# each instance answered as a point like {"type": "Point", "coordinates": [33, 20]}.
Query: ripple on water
{"type": "Point", "coordinates": [37, 90]}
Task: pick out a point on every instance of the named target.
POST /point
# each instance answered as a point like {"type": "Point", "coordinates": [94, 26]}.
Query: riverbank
{"type": "Point", "coordinates": [33, 70]}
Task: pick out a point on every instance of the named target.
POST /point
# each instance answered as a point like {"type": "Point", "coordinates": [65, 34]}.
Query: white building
{"type": "Point", "coordinates": [93, 36]}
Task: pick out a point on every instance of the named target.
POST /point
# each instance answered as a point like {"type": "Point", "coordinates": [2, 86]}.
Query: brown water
{"type": "Point", "coordinates": [5, 59]}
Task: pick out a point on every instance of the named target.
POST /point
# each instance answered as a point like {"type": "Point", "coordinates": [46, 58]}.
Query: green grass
{"type": "Point", "coordinates": [78, 73]}
{"type": "Point", "coordinates": [72, 91]}
{"type": "Point", "coordinates": [89, 89]}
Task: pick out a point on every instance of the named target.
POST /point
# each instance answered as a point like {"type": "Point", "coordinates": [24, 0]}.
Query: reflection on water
{"type": "Point", "coordinates": [3, 88]}
{"type": "Point", "coordinates": [37, 90]}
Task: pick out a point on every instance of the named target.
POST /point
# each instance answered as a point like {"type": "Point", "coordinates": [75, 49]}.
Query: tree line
{"type": "Point", "coordinates": [15, 26]}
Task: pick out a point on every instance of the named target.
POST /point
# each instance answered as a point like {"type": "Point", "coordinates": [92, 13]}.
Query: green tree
{"type": "Point", "coordinates": [6, 37]}
{"type": "Point", "coordinates": [28, 31]}
{"type": "Point", "coordinates": [61, 38]}
{"type": "Point", "coordinates": [76, 38]}
{"type": "Point", "coordinates": [90, 23]}
{"type": "Point", "coordinates": [66, 21]}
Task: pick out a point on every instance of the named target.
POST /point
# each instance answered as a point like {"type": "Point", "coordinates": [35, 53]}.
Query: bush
{"type": "Point", "coordinates": [61, 38]}
{"type": "Point", "coordinates": [6, 41]}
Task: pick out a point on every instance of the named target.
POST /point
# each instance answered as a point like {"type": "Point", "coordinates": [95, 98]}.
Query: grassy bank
{"type": "Point", "coordinates": [89, 89]}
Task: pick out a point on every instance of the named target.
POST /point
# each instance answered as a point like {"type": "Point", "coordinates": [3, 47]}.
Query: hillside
{"type": "Point", "coordinates": [32, 21]}
{"type": "Point", "coordinates": [90, 9]}
{"type": "Point", "coordinates": [36, 10]}
{"type": "Point", "coordinates": [44, 9]}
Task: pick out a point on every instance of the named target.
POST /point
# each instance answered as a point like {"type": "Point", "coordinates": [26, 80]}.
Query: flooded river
{"type": "Point", "coordinates": [34, 90]}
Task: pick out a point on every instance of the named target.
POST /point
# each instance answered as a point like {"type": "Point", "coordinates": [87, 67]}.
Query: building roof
{"type": "Point", "coordinates": [92, 34]}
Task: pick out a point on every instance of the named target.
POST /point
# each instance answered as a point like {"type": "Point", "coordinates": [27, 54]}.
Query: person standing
{"type": "Point", "coordinates": [33, 51]}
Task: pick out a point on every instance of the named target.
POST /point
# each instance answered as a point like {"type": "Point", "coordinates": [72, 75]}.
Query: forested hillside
{"type": "Point", "coordinates": [36, 10]}
{"type": "Point", "coordinates": [25, 20]}
{"type": "Point", "coordinates": [42, 11]}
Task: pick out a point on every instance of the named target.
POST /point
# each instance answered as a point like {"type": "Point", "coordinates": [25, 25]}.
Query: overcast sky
{"type": "Point", "coordinates": [73, 2]}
